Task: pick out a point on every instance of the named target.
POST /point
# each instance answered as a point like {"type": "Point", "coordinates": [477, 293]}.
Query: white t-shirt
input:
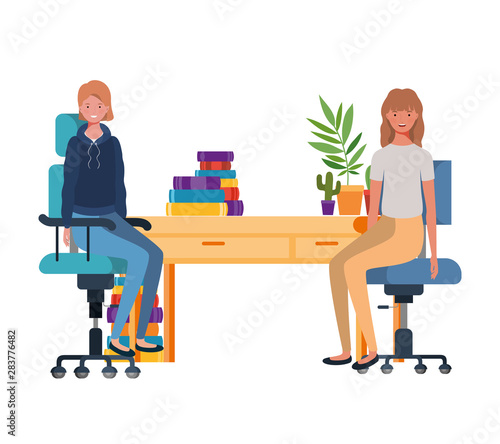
{"type": "Point", "coordinates": [402, 168]}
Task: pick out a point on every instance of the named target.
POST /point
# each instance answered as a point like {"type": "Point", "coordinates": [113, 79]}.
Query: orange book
{"type": "Point", "coordinates": [115, 299]}
{"type": "Point", "coordinates": [231, 193]}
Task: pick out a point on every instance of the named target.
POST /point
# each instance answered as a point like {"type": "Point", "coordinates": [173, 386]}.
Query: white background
{"type": "Point", "coordinates": [223, 74]}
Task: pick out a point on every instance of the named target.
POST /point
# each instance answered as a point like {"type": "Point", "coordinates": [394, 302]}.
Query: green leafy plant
{"type": "Point", "coordinates": [367, 177]}
{"type": "Point", "coordinates": [337, 137]}
{"type": "Point", "coordinates": [327, 187]}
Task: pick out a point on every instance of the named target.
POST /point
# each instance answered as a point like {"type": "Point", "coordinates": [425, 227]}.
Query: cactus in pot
{"type": "Point", "coordinates": [328, 204]}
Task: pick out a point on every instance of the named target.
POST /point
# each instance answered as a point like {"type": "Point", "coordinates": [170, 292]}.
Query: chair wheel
{"type": "Point", "coordinates": [109, 372]}
{"type": "Point", "coordinates": [387, 369]}
{"type": "Point", "coordinates": [420, 369]}
{"type": "Point", "coordinates": [362, 371]}
{"type": "Point", "coordinates": [58, 372]}
{"type": "Point", "coordinates": [445, 369]}
{"type": "Point", "coordinates": [132, 372]}
{"type": "Point", "coordinates": [132, 375]}
{"type": "Point", "coordinates": [81, 372]}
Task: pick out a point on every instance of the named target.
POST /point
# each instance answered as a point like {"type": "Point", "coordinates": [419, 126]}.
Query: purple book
{"type": "Point", "coordinates": [156, 315]}
{"type": "Point", "coordinates": [215, 156]}
{"type": "Point", "coordinates": [234, 207]}
{"type": "Point", "coordinates": [196, 182]}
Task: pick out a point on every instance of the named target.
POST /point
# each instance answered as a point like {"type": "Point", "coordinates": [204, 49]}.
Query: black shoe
{"type": "Point", "coordinates": [149, 349]}
{"type": "Point", "coordinates": [337, 361]}
{"type": "Point", "coordinates": [357, 366]}
{"type": "Point", "coordinates": [128, 352]}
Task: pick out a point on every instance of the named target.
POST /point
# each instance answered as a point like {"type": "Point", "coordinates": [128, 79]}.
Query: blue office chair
{"type": "Point", "coordinates": [407, 280]}
{"type": "Point", "coordinates": [95, 273]}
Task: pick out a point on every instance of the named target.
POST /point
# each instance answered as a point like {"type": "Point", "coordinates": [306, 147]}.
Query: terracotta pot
{"type": "Point", "coordinates": [350, 199]}
{"type": "Point", "coordinates": [328, 207]}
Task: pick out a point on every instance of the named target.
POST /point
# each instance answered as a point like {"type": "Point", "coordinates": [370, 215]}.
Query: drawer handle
{"type": "Point", "coordinates": [213, 243]}
{"type": "Point", "coordinates": [327, 243]}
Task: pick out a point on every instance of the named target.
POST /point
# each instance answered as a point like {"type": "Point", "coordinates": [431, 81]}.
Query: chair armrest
{"type": "Point", "coordinates": [89, 222]}
{"type": "Point", "coordinates": [78, 222]}
{"type": "Point", "coordinates": [138, 222]}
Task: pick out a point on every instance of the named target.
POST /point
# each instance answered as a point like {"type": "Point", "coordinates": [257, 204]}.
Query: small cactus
{"type": "Point", "coordinates": [327, 187]}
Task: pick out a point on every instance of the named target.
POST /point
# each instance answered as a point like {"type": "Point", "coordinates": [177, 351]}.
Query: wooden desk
{"type": "Point", "coordinates": [243, 240]}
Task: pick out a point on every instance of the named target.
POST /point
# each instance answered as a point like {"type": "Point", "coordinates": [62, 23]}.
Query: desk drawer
{"type": "Point", "coordinates": [320, 247]}
{"type": "Point", "coordinates": [224, 247]}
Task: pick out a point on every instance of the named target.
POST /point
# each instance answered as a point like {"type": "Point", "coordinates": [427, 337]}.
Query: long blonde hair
{"type": "Point", "coordinates": [400, 100]}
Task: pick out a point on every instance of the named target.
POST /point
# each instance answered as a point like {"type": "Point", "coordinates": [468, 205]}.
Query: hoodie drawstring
{"type": "Point", "coordinates": [97, 157]}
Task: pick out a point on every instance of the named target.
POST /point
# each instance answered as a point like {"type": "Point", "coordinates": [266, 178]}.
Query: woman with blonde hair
{"type": "Point", "coordinates": [94, 187]}
{"type": "Point", "coordinates": [398, 236]}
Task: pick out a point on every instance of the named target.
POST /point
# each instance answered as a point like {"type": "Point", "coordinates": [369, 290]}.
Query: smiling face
{"type": "Point", "coordinates": [402, 121]}
{"type": "Point", "coordinates": [93, 110]}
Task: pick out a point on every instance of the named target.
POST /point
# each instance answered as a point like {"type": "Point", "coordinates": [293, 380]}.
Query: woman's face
{"type": "Point", "coordinates": [93, 110]}
{"type": "Point", "coordinates": [402, 121]}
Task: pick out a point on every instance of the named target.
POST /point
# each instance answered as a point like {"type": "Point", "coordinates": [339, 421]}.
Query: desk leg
{"type": "Point", "coordinates": [169, 312]}
{"type": "Point", "coordinates": [361, 348]}
{"type": "Point", "coordinates": [396, 323]}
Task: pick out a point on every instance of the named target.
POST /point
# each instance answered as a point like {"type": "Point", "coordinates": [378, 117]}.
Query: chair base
{"type": "Point", "coordinates": [95, 353]}
{"type": "Point", "coordinates": [403, 341]}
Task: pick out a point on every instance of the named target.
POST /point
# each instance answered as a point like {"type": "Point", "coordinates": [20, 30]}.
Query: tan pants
{"type": "Point", "coordinates": [388, 242]}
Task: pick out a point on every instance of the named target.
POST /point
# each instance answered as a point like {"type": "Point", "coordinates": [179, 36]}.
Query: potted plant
{"type": "Point", "coordinates": [341, 155]}
{"type": "Point", "coordinates": [328, 204]}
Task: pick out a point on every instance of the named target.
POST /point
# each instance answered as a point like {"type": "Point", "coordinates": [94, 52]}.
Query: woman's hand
{"type": "Point", "coordinates": [434, 267]}
{"type": "Point", "coordinates": [66, 236]}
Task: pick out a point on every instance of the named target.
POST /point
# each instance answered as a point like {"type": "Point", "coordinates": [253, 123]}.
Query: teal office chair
{"type": "Point", "coordinates": [95, 273]}
{"type": "Point", "coordinates": [407, 280]}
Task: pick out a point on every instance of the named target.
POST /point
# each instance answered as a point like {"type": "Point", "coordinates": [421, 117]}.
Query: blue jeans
{"type": "Point", "coordinates": [144, 262]}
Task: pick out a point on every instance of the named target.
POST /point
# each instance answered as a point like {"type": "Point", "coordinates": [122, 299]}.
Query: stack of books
{"type": "Point", "coordinates": [212, 191]}
{"type": "Point", "coordinates": [130, 328]}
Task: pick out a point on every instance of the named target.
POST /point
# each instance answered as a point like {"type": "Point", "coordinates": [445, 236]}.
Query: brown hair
{"type": "Point", "coordinates": [400, 100]}
{"type": "Point", "coordinates": [97, 89]}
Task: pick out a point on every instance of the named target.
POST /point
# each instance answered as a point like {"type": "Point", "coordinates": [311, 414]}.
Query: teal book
{"type": "Point", "coordinates": [196, 196]}
{"type": "Point", "coordinates": [125, 340]}
{"type": "Point", "coordinates": [224, 174]}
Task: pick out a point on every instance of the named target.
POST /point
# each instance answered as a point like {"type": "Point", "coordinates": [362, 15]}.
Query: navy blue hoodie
{"type": "Point", "coordinates": [93, 176]}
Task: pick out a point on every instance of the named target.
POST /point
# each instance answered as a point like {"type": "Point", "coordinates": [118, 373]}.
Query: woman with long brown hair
{"type": "Point", "coordinates": [398, 236]}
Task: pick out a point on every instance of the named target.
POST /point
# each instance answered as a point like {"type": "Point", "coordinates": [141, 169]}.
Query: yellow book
{"type": "Point", "coordinates": [118, 289]}
{"type": "Point", "coordinates": [228, 183]}
{"type": "Point", "coordinates": [109, 352]}
{"type": "Point", "coordinates": [196, 209]}
{"type": "Point", "coordinates": [150, 357]}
